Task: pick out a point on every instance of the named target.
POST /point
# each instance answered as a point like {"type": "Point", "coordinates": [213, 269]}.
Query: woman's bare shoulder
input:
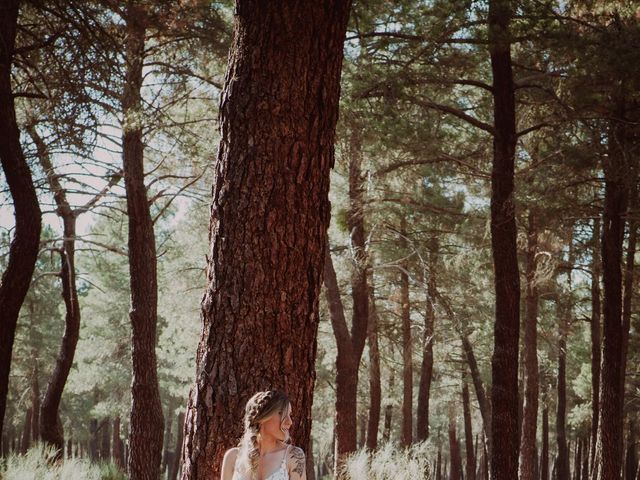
{"type": "Point", "coordinates": [229, 463]}
{"type": "Point", "coordinates": [231, 454]}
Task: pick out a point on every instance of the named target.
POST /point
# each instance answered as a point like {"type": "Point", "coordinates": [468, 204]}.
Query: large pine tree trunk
{"type": "Point", "coordinates": [146, 421]}
{"type": "Point", "coordinates": [269, 216]}
{"type": "Point", "coordinates": [528, 451]}
{"type": "Point", "coordinates": [504, 364]}
{"type": "Point", "coordinates": [23, 252]}
{"type": "Point", "coordinates": [608, 459]}
{"type": "Point", "coordinates": [595, 340]}
{"type": "Point", "coordinates": [426, 369]}
{"type": "Point", "coordinates": [375, 386]}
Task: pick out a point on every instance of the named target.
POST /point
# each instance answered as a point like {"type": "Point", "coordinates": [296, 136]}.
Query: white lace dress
{"type": "Point", "coordinates": [280, 474]}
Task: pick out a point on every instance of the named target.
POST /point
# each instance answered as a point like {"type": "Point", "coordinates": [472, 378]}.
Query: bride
{"type": "Point", "coordinates": [263, 452]}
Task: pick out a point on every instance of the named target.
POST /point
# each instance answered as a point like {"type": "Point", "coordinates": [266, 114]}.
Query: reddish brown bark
{"type": "Point", "coordinates": [146, 419]}
{"type": "Point", "coordinates": [504, 364]}
{"type": "Point", "coordinates": [23, 251]}
{"type": "Point", "coordinates": [25, 441]}
{"type": "Point", "coordinates": [528, 451]}
{"type": "Point", "coordinates": [375, 387]}
{"type": "Point", "coordinates": [269, 217]}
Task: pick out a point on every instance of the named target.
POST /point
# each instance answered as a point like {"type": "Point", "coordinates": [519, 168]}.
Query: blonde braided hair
{"type": "Point", "coordinates": [258, 408]}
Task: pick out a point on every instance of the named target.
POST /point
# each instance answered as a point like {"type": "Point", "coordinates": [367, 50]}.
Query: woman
{"type": "Point", "coordinates": [263, 453]}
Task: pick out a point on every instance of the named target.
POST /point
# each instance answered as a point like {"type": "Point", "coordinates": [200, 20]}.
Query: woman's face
{"type": "Point", "coordinates": [277, 424]}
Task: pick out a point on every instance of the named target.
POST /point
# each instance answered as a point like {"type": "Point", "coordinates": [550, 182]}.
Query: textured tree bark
{"type": "Point", "coordinates": [608, 459]}
{"type": "Point", "coordinates": [528, 451]}
{"type": "Point", "coordinates": [426, 369]}
{"type": "Point", "coordinates": [470, 466]}
{"type": "Point", "coordinates": [504, 364]}
{"type": "Point", "coordinates": [407, 358]}
{"type": "Point", "coordinates": [146, 420]}
{"type": "Point", "coordinates": [375, 386]}
{"type": "Point", "coordinates": [23, 251]}
{"type": "Point", "coordinates": [269, 217]}
{"type": "Point", "coordinates": [561, 408]}
{"type": "Point", "coordinates": [595, 340]}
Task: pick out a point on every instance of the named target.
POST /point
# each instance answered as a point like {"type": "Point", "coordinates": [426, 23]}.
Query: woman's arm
{"type": "Point", "coordinates": [296, 464]}
{"type": "Point", "coordinates": [228, 463]}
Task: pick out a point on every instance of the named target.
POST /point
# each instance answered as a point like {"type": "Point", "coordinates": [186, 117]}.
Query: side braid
{"type": "Point", "coordinates": [258, 407]}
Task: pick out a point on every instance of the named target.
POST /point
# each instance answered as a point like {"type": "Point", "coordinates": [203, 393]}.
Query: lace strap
{"type": "Point", "coordinates": [286, 453]}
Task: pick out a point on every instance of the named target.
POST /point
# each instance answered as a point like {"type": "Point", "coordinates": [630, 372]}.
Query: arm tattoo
{"type": "Point", "coordinates": [297, 456]}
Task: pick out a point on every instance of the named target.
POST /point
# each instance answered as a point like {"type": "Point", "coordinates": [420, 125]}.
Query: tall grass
{"type": "Point", "coordinates": [37, 464]}
{"type": "Point", "coordinates": [390, 462]}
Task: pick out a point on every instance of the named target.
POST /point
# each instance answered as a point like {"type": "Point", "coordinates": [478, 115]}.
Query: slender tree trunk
{"type": "Point", "coordinates": [269, 216]}
{"type": "Point", "coordinates": [561, 411]}
{"type": "Point", "coordinates": [146, 421]}
{"type": "Point", "coordinates": [35, 401]}
{"type": "Point", "coordinates": [388, 412]}
{"type": "Point", "coordinates": [166, 454]}
{"type": "Point", "coordinates": [426, 370]}
{"type": "Point", "coordinates": [544, 455]}
{"type": "Point", "coordinates": [347, 363]}
{"type": "Point", "coordinates": [627, 281]}
{"type": "Point", "coordinates": [23, 251]}
{"type": "Point", "coordinates": [454, 451]}
{"type": "Point", "coordinates": [177, 456]}
{"type": "Point", "coordinates": [350, 344]}
{"type": "Point", "coordinates": [407, 358]}
{"type": "Point", "coordinates": [608, 459]}
{"type": "Point", "coordinates": [25, 442]}
{"type": "Point", "coordinates": [375, 387]}
{"type": "Point", "coordinates": [485, 406]}
{"type": "Point", "coordinates": [50, 429]}
{"type": "Point", "coordinates": [528, 451]}
{"type": "Point", "coordinates": [439, 464]}
{"type": "Point", "coordinates": [470, 467]}
{"type": "Point", "coordinates": [595, 340]}
{"type": "Point", "coordinates": [105, 440]}
{"type": "Point", "coordinates": [117, 452]}
{"type": "Point", "coordinates": [504, 391]}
